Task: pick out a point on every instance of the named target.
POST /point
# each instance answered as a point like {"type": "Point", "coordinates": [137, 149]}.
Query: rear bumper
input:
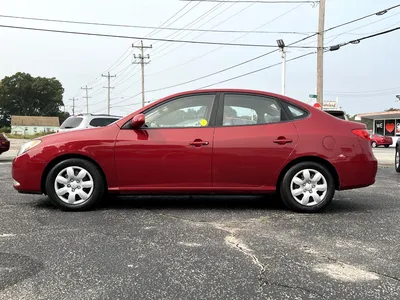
{"type": "Point", "coordinates": [357, 174]}
{"type": "Point", "coordinates": [4, 146]}
{"type": "Point", "coordinates": [382, 143]}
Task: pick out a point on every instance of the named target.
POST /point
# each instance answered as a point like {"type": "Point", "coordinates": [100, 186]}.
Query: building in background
{"type": "Point", "coordinates": [384, 123]}
{"type": "Point", "coordinates": [29, 125]}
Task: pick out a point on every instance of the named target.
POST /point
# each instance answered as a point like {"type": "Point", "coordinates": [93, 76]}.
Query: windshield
{"type": "Point", "coordinates": [71, 123]}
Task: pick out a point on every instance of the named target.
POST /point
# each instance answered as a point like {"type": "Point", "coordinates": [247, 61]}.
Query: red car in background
{"type": "Point", "coordinates": [218, 141]}
{"type": "Point", "coordinates": [4, 143]}
{"type": "Point", "coordinates": [380, 140]}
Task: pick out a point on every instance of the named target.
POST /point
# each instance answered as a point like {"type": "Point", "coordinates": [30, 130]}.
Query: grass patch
{"type": "Point", "coordinates": [28, 136]}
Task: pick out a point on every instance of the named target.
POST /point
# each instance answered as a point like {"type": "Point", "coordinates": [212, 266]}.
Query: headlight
{"type": "Point", "coordinates": [25, 147]}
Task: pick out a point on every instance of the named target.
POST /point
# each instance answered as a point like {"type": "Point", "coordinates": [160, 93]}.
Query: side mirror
{"type": "Point", "coordinates": [138, 121]}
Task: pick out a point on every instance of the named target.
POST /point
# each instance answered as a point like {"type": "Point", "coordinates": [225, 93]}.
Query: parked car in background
{"type": "Point", "coordinates": [83, 121]}
{"type": "Point", "coordinates": [281, 145]}
{"type": "Point", "coordinates": [337, 113]}
{"type": "Point", "coordinates": [397, 156]}
{"type": "Point", "coordinates": [380, 140]}
{"type": "Point", "coordinates": [4, 143]}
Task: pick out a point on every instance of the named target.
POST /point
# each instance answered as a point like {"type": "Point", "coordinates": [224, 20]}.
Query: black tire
{"type": "Point", "coordinates": [387, 146]}
{"type": "Point", "coordinates": [374, 145]}
{"type": "Point", "coordinates": [96, 179]}
{"type": "Point", "coordinates": [397, 159]}
{"type": "Point", "coordinates": [290, 201]}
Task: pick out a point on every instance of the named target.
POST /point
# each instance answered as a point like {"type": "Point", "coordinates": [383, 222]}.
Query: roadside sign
{"type": "Point", "coordinates": [313, 96]}
{"type": "Point", "coordinates": [317, 106]}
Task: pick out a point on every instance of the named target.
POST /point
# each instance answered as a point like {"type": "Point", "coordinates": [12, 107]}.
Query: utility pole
{"type": "Point", "coordinates": [73, 105]}
{"type": "Point", "coordinates": [87, 97]}
{"type": "Point", "coordinates": [282, 46]}
{"type": "Point", "coordinates": [320, 53]}
{"type": "Point", "coordinates": [141, 60]}
{"type": "Point", "coordinates": [109, 89]}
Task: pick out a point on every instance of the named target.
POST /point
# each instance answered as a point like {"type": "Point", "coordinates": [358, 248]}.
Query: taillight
{"type": "Point", "coordinates": [362, 133]}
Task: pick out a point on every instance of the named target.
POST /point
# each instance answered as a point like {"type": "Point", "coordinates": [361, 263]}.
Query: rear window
{"type": "Point", "coordinates": [337, 114]}
{"type": "Point", "coordinates": [71, 123]}
{"type": "Point", "coordinates": [100, 122]}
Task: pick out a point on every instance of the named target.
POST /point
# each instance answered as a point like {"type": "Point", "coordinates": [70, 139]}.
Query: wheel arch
{"type": "Point", "coordinates": [61, 158]}
{"type": "Point", "coordinates": [315, 159]}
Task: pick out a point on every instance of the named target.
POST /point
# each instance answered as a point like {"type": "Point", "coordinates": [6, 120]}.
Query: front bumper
{"type": "Point", "coordinates": [27, 174]}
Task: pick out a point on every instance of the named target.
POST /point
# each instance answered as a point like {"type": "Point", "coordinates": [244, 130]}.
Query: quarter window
{"type": "Point", "coordinates": [249, 110]}
{"type": "Point", "coordinates": [188, 111]}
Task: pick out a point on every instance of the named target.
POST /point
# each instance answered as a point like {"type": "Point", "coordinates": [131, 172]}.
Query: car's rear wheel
{"type": "Point", "coordinates": [307, 187]}
{"type": "Point", "coordinates": [387, 146]}
{"type": "Point", "coordinates": [75, 184]}
{"type": "Point", "coordinates": [397, 159]}
{"type": "Point", "coordinates": [374, 145]}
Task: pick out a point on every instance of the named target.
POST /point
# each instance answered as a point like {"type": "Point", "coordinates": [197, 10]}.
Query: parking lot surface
{"type": "Point", "coordinates": [202, 247]}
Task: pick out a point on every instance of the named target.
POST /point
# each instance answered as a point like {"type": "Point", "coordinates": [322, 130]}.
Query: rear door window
{"type": "Point", "coordinates": [71, 123]}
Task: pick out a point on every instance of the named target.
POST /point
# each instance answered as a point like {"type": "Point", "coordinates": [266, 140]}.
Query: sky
{"type": "Point", "coordinates": [363, 77]}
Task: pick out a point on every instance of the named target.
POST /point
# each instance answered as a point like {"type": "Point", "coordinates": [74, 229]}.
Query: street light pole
{"type": "Point", "coordinates": [281, 45]}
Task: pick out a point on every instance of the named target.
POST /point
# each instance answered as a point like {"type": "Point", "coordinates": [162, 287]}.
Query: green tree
{"type": "Point", "coordinates": [22, 94]}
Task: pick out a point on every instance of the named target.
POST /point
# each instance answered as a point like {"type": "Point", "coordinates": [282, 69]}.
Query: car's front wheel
{"type": "Point", "coordinates": [75, 184]}
{"type": "Point", "coordinates": [374, 145]}
{"type": "Point", "coordinates": [387, 146]}
{"type": "Point", "coordinates": [307, 187]}
{"type": "Point", "coordinates": [397, 159]}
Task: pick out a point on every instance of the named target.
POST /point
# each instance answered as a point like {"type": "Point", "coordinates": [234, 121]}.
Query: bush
{"type": "Point", "coordinates": [5, 129]}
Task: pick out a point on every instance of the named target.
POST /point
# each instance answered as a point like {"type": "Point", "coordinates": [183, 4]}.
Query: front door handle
{"type": "Point", "coordinates": [198, 143]}
{"type": "Point", "coordinates": [282, 140]}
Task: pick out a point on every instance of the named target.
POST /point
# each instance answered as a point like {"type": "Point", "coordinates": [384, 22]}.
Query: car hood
{"type": "Point", "coordinates": [78, 135]}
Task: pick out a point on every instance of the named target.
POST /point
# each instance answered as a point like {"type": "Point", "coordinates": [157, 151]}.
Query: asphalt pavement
{"type": "Point", "coordinates": [202, 247]}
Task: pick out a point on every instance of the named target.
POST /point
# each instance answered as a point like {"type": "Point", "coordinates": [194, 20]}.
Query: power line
{"type": "Point", "coordinates": [165, 22]}
{"type": "Point", "coordinates": [193, 59]}
{"type": "Point", "coordinates": [198, 19]}
{"type": "Point", "coordinates": [209, 52]}
{"type": "Point", "coordinates": [150, 27]}
{"type": "Point", "coordinates": [365, 92]}
{"type": "Point", "coordinates": [253, 1]}
{"type": "Point", "coordinates": [258, 70]}
{"type": "Point", "coordinates": [229, 68]}
{"type": "Point", "coordinates": [379, 13]}
{"type": "Point", "coordinates": [295, 58]}
{"type": "Point", "coordinates": [152, 39]}
{"type": "Point", "coordinates": [357, 41]}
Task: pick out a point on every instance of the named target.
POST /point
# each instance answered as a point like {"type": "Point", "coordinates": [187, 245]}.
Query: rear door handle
{"type": "Point", "coordinates": [198, 143]}
{"type": "Point", "coordinates": [282, 140]}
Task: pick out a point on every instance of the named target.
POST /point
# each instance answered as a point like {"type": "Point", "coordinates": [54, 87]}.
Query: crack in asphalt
{"type": "Point", "coordinates": [235, 242]}
{"type": "Point", "coordinates": [384, 275]}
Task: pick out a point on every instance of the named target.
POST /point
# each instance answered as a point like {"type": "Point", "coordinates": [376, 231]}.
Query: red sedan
{"type": "Point", "coordinates": [204, 142]}
{"type": "Point", "coordinates": [380, 140]}
{"type": "Point", "coordinates": [4, 143]}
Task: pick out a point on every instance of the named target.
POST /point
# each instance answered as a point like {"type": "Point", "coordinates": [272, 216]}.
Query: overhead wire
{"type": "Point", "coordinates": [176, 34]}
{"type": "Point", "coordinates": [143, 38]}
{"type": "Point", "coordinates": [243, 35]}
{"type": "Point", "coordinates": [152, 27]}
